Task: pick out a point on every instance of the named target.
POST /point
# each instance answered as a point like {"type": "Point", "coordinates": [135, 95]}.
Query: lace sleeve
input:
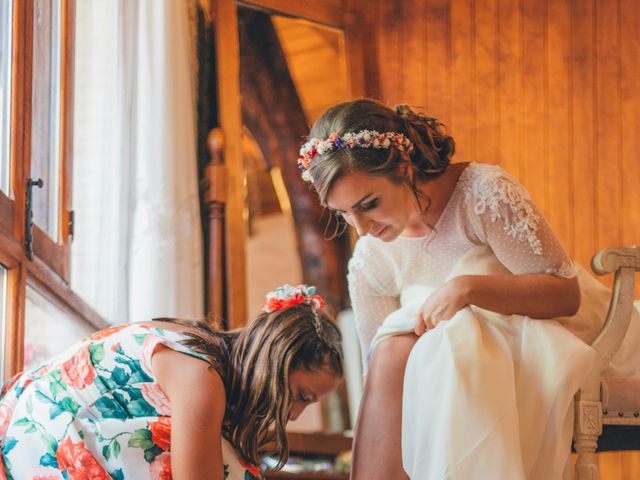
{"type": "Point", "coordinates": [373, 295]}
{"type": "Point", "coordinates": [502, 215]}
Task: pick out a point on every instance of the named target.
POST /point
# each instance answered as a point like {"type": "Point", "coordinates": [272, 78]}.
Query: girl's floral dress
{"type": "Point", "coordinates": [96, 412]}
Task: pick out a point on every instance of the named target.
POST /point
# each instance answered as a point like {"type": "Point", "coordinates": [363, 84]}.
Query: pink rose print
{"type": "Point", "coordinates": [78, 371]}
{"type": "Point", "coordinates": [161, 432]}
{"type": "Point", "coordinates": [2, 475]}
{"type": "Point", "coordinates": [78, 462]}
{"type": "Point", "coordinates": [154, 395]}
{"type": "Point", "coordinates": [10, 383]}
{"type": "Point", "coordinates": [106, 332]}
{"type": "Point", "coordinates": [160, 468]}
{"type": "Point", "coordinates": [6, 412]}
{"type": "Point", "coordinates": [149, 345]}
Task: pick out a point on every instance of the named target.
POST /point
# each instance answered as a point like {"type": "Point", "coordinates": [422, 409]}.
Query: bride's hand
{"type": "Point", "coordinates": [441, 305]}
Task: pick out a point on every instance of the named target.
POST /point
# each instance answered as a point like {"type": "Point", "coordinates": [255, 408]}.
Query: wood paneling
{"type": "Point", "coordinates": [228, 70]}
{"type": "Point", "coordinates": [328, 12]}
{"type": "Point", "coordinates": [546, 88]}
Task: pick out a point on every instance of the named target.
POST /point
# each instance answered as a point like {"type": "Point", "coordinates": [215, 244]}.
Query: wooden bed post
{"type": "Point", "coordinates": [214, 202]}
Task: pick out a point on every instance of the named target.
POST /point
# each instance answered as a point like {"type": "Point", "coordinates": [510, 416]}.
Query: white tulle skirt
{"type": "Point", "coordinates": [489, 396]}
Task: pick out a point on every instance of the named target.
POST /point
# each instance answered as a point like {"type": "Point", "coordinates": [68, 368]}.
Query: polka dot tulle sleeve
{"type": "Point", "coordinates": [502, 215]}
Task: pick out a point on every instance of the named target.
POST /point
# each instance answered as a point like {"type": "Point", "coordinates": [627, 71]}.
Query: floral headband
{"type": "Point", "coordinates": [363, 139]}
{"type": "Point", "coordinates": [287, 296]}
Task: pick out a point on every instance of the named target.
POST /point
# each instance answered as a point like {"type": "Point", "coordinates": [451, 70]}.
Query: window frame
{"type": "Point", "coordinates": [48, 271]}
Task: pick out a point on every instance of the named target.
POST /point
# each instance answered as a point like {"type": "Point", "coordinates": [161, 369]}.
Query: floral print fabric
{"type": "Point", "coordinates": [95, 412]}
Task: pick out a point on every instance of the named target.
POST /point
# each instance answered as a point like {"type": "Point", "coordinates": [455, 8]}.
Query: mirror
{"type": "Point", "coordinates": [291, 70]}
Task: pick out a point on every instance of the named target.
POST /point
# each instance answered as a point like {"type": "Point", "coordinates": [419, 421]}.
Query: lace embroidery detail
{"type": "Point", "coordinates": [494, 191]}
{"type": "Point", "coordinates": [565, 270]}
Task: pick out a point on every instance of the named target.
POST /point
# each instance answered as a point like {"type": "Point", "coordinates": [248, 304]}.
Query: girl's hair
{"type": "Point", "coordinates": [255, 363]}
{"type": "Point", "coordinates": [433, 147]}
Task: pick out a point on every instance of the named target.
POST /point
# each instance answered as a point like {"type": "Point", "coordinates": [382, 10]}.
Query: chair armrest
{"type": "Point", "coordinates": [610, 259]}
{"type": "Point", "coordinates": [624, 262]}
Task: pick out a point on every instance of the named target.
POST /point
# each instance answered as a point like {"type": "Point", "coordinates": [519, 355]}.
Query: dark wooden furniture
{"type": "Point", "coordinates": [315, 445]}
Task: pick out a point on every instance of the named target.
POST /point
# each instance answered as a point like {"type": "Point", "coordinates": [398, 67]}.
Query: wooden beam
{"type": "Point", "coordinates": [273, 114]}
{"type": "Point", "coordinates": [228, 68]}
{"type": "Point", "coordinates": [327, 12]}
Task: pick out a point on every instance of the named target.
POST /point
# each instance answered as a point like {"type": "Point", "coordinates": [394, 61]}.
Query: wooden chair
{"type": "Point", "coordinates": [612, 403]}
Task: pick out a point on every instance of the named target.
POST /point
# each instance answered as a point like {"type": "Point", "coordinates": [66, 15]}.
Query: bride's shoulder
{"type": "Point", "coordinates": [370, 252]}
{"type": "Point", "coordinates": [485, 182]}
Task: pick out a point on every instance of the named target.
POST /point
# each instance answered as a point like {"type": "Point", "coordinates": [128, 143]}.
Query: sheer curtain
{"type": "Point", "coordinates": [137, 251]}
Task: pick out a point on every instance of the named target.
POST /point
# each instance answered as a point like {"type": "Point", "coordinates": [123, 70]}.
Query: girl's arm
{"type": "Point", "coordinates": [197, 397]}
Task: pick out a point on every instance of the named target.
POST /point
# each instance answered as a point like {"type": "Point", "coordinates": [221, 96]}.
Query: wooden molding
{"type": "Point", "coordinates": [228, 63]}
{"type": "Point", "coordinates": [328, 12]}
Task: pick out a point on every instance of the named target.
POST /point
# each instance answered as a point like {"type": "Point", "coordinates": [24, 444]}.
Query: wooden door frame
{"type": "Point", "coordinates": [332, 13]}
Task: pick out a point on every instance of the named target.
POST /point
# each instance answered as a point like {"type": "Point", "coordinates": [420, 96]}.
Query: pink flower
{"type": "Point", "coordinates": [10, 383]}
{"type": "Point", "coordinates": [106, 332]}
{"type": "Point", "coordinates": [6, 413]}
{"type": "Point", "coordinates": [160, 468]}
{"type": "Point", "coordinates": [154, 395]}
{"type": "Point", "coordinates": [78, 371]}
{"type": "Point", "coordinates": [2, 475]}
{"type": "Point", "coordinates": [161, 432]}
{"type": "Point", "coordinates": [149, 345]}
{"type": "Point", "coordinates": [79, 463]}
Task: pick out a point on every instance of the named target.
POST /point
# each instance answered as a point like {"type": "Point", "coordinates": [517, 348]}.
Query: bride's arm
{"type": "Point", "coordinates": [536, 295]}
{"type": "Point", "coordinates": [500, 214]}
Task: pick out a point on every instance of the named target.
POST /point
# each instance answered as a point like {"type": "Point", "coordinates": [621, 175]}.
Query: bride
{"type": "Point", "coordinates": [468, 308]}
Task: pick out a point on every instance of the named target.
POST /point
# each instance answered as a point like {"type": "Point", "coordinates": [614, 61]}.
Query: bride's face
{"type": "Point", "coordinates": [374, 205]}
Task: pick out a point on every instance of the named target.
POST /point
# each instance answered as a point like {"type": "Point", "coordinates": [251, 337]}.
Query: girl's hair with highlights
{"type": "Point", "coordinates": [433, 147]}
{"type": "Point", "coordinates": [255, 363]}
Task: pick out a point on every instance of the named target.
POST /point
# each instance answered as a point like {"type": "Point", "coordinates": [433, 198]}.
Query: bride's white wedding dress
{"type": "Point", "coordinates": [486, 396]}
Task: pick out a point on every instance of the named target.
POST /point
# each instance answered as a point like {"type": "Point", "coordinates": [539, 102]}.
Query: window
{"type": "Point", "coordinates": [6, 17]}
{"type": "Point", "coordinates": [46, 95]}
{"type": "Point", "coordinates": [40, 313]}
{"type": "Point", "coordinates": [48, 329]}
{"type": "Point", "coordinates": [3, 312]}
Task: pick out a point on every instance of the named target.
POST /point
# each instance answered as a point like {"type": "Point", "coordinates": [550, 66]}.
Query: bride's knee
{"type": "Point", "coordinates": [390, 357]}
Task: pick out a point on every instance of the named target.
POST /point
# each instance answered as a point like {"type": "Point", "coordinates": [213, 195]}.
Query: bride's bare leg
{"type": "Point", "coordinates": [377, 444]}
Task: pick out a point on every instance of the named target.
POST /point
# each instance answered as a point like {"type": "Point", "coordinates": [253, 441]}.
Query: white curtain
{"type": "Point", "coordinates": [137, 252]}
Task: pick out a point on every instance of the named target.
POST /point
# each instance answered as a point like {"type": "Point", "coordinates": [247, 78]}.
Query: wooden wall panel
{"type": "Point", "coordinates": [558, 154]}
{"type": "Point", "coordinates": [510, 55]}
{"type": "Point", "coordinates": [582, 129]}
{"type": "Point", "coordinates": [485, 85]}
{"type": "Point", "coordinates": [630, 98]}
{"type": "Point", "coordinates": [462, 19]}
{"type": "Point", "coordinates": [534, 91]}
{"type": "Point", "coordinates": [437, 66]}
{"type": "Point", "coordinates": [607, 124]}
{"type": "Point", "coordinates": [546, 88]}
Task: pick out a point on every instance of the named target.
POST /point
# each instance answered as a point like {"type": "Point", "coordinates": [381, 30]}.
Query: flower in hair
{"type": "Point", "coordinates": [287, 296]}
{"type": "Point", "coordinates": [350, 140]}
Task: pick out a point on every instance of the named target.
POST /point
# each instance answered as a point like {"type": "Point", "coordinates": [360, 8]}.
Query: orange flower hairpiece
{"type": "Point", "coordinates": [287, 296]}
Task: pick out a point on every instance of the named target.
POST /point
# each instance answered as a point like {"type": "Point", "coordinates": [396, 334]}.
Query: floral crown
{"type": "Point", "coordinates": [362, 139]}
{"type": "Point", "coordinates": [287, 296]}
